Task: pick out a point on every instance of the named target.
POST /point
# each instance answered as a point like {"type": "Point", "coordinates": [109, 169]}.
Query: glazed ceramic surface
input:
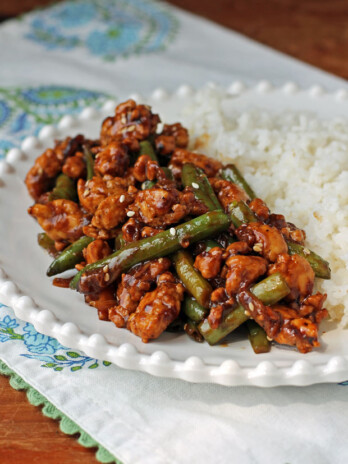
{"type": "Point", "coordinates": [62, 313]}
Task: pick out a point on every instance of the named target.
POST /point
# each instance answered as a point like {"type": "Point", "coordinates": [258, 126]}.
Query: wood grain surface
{"type": "Point", "coordinates": [314, 31]}
{"type": "Point", "coordinates": [28, 437]}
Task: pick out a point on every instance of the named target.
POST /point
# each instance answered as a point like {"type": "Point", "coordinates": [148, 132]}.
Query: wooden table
{"type": "Point", "coordinates": [314, 31]}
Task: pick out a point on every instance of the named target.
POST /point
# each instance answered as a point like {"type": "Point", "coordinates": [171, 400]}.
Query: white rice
{"type": "Point", "coordinates": [295, 162]}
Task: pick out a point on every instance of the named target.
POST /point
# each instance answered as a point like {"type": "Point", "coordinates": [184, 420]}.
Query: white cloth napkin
{"type": "Point", "coordinates": [196, 51]}
{"type": "Point", "coordinates": [139, 418]}
{"type": "Point", "coordinates": [147, 420]}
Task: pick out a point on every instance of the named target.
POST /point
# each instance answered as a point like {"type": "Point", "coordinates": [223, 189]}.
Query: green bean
{"type": "Point", "coordinates": [119, 241]}
{"type": "Point", "coordinates": [192, 331]}
{"type": "Point", "coordinates": [168, 172]}
{"type": "Point", "coordinates": [47, 244]}
{"type": "Point", "coordinates": [147, 184]}
{"type": "Point", "coordinates": [195, 177]}
{"type": "Point", "coordinates": [89, 162]}
{"type": "Point", "coordinates": [146, 148]}
{"type": "Point", "coordinates": [193, 310]}
{"type": "Point", "coordinates": [258, 338]}
{"type": "Point", "coordinates": [269, 291]}
{"type": "Point", "coordinates": [92, 278]}
{"type": "Point", "coordinates": [64, 189]}
{"type": "Point", "coordinates": [209, 244]}
{"type": "Point", "coordinates": [69, 257]}
{"type": "Point", "coordinates": [230, 322]}
{"type": "Point", "coordinates": [232, 174]}
{"type": "Point", "coordinates": [240, 213]}
{"type": "Point", "coordinates": [320, 267]}
{"type": "Point", "coordinates": [192, 279]}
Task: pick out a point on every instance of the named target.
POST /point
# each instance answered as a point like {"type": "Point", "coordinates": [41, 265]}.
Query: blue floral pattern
{"type": "Point", "coordinates": [24, 111]}
{"type": "Point", "coordinates": [5, 112]}
{"type": "Point", "coordinates": [43, 348]}
{"type": "Point", "coordinates": [38, 343]}
{"type": "Point", "coordinates": [6, 328]}
{"type": "Point", "coordinates": [104, 28]}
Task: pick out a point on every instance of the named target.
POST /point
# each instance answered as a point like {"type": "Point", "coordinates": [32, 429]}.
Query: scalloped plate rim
{"type": "Point", "coordinates": [265, 374]}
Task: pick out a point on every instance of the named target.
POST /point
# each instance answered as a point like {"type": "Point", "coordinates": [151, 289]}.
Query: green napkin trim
{"type": "Point", "coordinates": [66, 425]}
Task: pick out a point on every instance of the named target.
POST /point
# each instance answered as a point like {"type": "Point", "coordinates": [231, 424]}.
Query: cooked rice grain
{"type": "Point", "coordinates": [297, 163]}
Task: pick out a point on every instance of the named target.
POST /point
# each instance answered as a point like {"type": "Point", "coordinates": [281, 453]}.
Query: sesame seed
{"type": "Point", "coordinates": [130, 213]}
{"type": "Point", "coordinates": [107, 277]}
{"type": "Point", "coordinates": [195, 185]}
{"type": "Point", "coordinates": [257, 247]}
{"type": "Point", "coordinates": [306, 251]}
{"type": "Point", "coordinates": [247, 313]}
{"type": "Point", "coordinates": [86, 193]}
{"type": "Point", "coordinates": [172, 231]}
{"type": "Point", "coordinates": [122, 198]}
{"type": "Point", "coordinates": [105, 268]}
{"type": "Point", "coordinates": [269, 339]}
{"type": "Point", "coordinates": [251, 306]}
{"type": "Point", "coordinates": [160, 260]}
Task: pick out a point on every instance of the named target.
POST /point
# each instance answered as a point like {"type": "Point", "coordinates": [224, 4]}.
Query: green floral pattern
{"type": "Point", "coordinates": [107, 29]}
{"type": "Point", "coordinates": [42, 348]}
{"type": "Point", "coordinates": [24, 111]}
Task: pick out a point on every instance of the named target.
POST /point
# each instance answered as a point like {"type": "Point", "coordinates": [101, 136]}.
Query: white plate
{"type": "Point", "coordinates": [63, 314]}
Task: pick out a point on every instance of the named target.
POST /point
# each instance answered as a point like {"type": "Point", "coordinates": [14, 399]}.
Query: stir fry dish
{"type": "Point", "coordinates": [165, 239]}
